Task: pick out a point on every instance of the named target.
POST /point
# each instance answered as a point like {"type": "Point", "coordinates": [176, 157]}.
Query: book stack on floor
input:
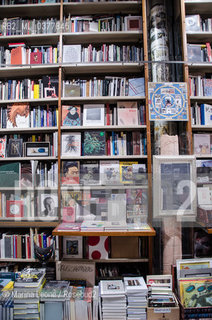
{"type": "Point", "coordinates": [54, 299]}
{"type": "Point", "coordinates": [6, 299]}
{"type": "Point", "coordinates": [113, 297]}
{"type": "Point", "coordinates": [136, 291]}
{"type": "Point", "coordinates": [27, 290]}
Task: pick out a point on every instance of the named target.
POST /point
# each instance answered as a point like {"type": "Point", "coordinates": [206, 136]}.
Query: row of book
{"type": "Point", "coordinates": [101, 143]}
{"type": "Point", "coordinates": [15, 2]}
{"type": "Point", "coordinates": [201, 114]}
{"type": "Point", "coordinates": [18, 54]}
{"type": "Point", "coordinates": [197, 23]}
{"type": "Point", "coordinates": [202, 143]}
{"type": "Point", "coordinates": [200, 86]}
{"type": "Point", "coordinates": [47, 87]}
{"type": "Point", "coordinates": [24, 116]}
{"type": "Point", "coordinates": [103, 53]}
{"type": "Point", "coordinates": [199, 52]}
{"type": "Point", "coordinates": [42, 145]}
{"type": "Point", "coordinates": [125, 113]}
{"type": "Point", "coordinates": [109, 86]}
{"type": "Point", "coordinates": [22, 246]}
{"type": "Point", "coordinates": [102, 23]}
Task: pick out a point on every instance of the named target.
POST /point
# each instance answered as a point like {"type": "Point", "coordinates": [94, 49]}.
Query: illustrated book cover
{"type": "Point", "coordinates": [94, 143]}
{"type": "Point", "coordinates": [71, 115]}
{"type": "Point", "coordinates": [71, 144]}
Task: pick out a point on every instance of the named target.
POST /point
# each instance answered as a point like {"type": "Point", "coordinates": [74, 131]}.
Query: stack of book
{"type": "Point", "coordinates": [113, 297]}
{"type": "Point", "coordinates": [27, 289]}
{"type": "Point", "coordinates": [136, 291]}
{"type": "Point", "coordinates": [6, 298]}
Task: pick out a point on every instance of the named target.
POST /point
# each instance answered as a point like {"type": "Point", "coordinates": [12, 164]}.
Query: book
{"type": "Point", "coordinates": [15, 148]}
{"type": "Point", "coordinates": [207, 87]}
{"type": "Point", "coordinates": [202, 143]}
{"type": "Point", "coordinates": [30, 277]}
{"type": "Point", "coordinates": [50, 86]}
{"type": "Point", "coordinates": [126, 171]}
{"type": "Point", "coordinates": [71, 115]}
{"type": "Point", "coordinates": [3, 142]}
{"type": "Point", "coordinates": [54, 290]}
{"type": "Point", "coordinates": [137, 205]}
{"type": "Point", "coordinates": [10, 174]}
{"type": "Point", "coordinates": [72, 53]}
{"type": "Point", "coordinates": [117, 207]}
{"type": "Point", "coordinates": [14, 209]}
{"type": "Point", "coordinates": [69, 226]}
{"type": "Point", "coordinates": [16, 56]}
{"type": "Point", "coordinates": [140, 175]}
{"type": "Point", "coordinates": [93, 114]}
{"type": "Point", "coordinates": [48, 205]}
{"type": "Point", "coordinates": [109, 172]}
{"type": "Point", "coordinates": [127, 113]}
{"type": "Point", "coordinates": [36, 57]}
{"type": "Point", "coordinates": [18, 116]}
{"type": "Point", "coordinates": [193, 23]}
{"type": "Point", "coordinates": [71, 144]}
{"type": "Point", "coordinates": [70, 172]}
{"type": "Point", "coordinates": [110, 288]}
{"type": "Point", "coordinates": [71, 89]}
{"type": "Point", "coordinates": [136, 87]}
{"type": "Point", "coordinates": [135, 285]}
{"type": "Point", "coordinates": [194, 53]}
{"type": "Point", "coordinates": [72, 247]}
{"type": "Point", "coordinates": [94, 143]}
{"type": "Point", "coordinates": [206, 114]}
{"type": "Point", "coordinates": [89, 173]}
{"type": "Point", "coordinates": [97, 247]}
{"type": "Point", "coordinates": [26, 174]}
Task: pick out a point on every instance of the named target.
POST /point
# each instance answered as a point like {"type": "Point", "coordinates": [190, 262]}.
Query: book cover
{"type": "Point", "coordinates": [16, 56]}
{"type": "Point", "coordinates": [30, 277]}
{"type": "Point", "coordinates": [207, 87]}
{"type": "Point", "coordinates": [127, 113]}
{"type": "Point", "coordinates": [137, 205]}
{"type": "Point", "coordinates": [136, 87]}
{"type": "Point", "coordinates": [135, 284]}
{"type": "Point", "coordinates": [194, 53]}
{"type": "Point", "coordinates": [10, 174]}
{"type": "Point", "coordinates": [117, 207]}
{"type": "Point", "coordinates": [207, 114]}
{"type": "Point", "coordinates": [97, 247]}
{"type": "Point", "coordinates": [71, 115]}
{"type": "Point", "coordinates": [139, 174]}
{"type": "Point", "coordinates": [72, 53]}
{"type": "Point", "coordinates": [70, 172]}
{"type": "Point", "coordinates": [15, 209]}
{"type": "Point", "coordinates": [68, 214]}
{"type": "Point", "coordinates": [109, 172]}
{"type": "Point", "coordinates": [126, 171]}
{"type": "Point", "coordinates": [71, 89]}
{"type": "Point", "coordinates": [202, 143]}
{"type": "Point", "coordinates": [26, 174]}
{"type": "Point", "coordinates": [111, 288]}
{"type": "Point", "coordinates": [193, 23]}
{"type": "Point", "coordinates": [71, 144]}
{"type": "Point", "coordinates": [15, 148]}
{"type": "Point", "coordinates": [18, 116]}
{"type": "Point", "coordinates": [48, 205]}
{"type": "Point", "coordinates": [94, 143]}
{"type": "Point", "coordinates": [89, 172]}
{"type": "Point", "coordinates": [50, 86]}
{"type": "Point", "coordinates": [3, 141]}
{"type": "Point", "coordinates": [93, 114]}
{"type": "Point", "coordinates": [36, 58]}
{"type": "Point", "coordinates": [72, 247]}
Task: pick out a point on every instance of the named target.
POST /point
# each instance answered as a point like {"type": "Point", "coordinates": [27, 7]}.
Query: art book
{"type": "Point", "coordinates": [126, 171]}
{"type": "Point", "coordinates": [207, 87]}
{"type": "Point", "coordinates": [26, 174]}
{"type": "Point", "coordinates": [71, 115]}
{"type": "Point", "coordinates": [139, 174]}
{"type": "Point", "coordinates": [70, 172]}
{"type": "Point", "coordinates": [97, 247]}
{"type": "Point", "coordinates": [10, 174]}
{"type": "Point", "coordinates": [94, 143]}
{"type": "Point", "coordinates": [206, 114]}
{"type": "Point", "coordinates": [110, 288]}
{"type": "Point", "coordinates": [127, 113]}
{"type": "Point", "coordinates": [71, 144]}
{"type": "Point", "coordinates": [93, 115]}
{"type": "Point", "coordinates": [3, 141]}
{"type": "Point", "coordinates": [202, 143]}
{"type": "Point", "coordinates": [50, 86]}
{"type": "Point", "coordinates": [18, 116]}
{"type": "Point", "coordinates": [72, 53]}
{"type": "Point", "coordinates": [89, 173]}
{"type": "Point", "coordinates": [72, 247]}
{"type": "Point", "coordinates": [136, 87]}
{"type": "Point", "coordinates": [137, 205]}
{"type": "Point", "coordinates": [193, 23]}
{"type": "Point", "coordinates": [135, 285]}
{"type": "Point", "coordinates": [109, 172]}
{"type": "Point", "coordinates": [30, 277]}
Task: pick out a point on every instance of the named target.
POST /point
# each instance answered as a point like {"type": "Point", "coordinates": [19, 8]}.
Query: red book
{"type": "Point", "coordinates": [107, 114]}
{"type": "Point", "coordinates": [16, 56]}
{"type": "Point", "coordinates": [36, 58]}
{"type": "Point", "coordinates": [208, 46]}
{"type": "Point", "coordinates": [14, 209]}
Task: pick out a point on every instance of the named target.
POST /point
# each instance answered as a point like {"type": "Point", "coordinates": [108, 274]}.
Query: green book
{"type": "Point", "coordinates": [10, 174]}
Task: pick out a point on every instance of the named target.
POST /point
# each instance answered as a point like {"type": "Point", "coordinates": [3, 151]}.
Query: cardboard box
{"type": "Point", "coordinates": [172, 313]}
{"type": "Point", "coordinates": [125, 247]}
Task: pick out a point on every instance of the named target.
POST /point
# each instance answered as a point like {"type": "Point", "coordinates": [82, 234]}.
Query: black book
{"type": "Point", "coordinates": [50, 86]}
{"type": "Point", "coordinates": [23, 246]}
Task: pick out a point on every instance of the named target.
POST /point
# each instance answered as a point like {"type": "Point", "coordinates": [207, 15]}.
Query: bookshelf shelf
{"type": "Point", "coordinates": [200, 7]}
{"type": "Point", "coordinates": [98, 187]}
{"type": "Point", "coordinates": [201, 127]}
{"type": "Point", "coordinates": [200, 67]}
{"type": "Point", "coordinates": [31, 101]}
{"type": "Point", "coordinates": [106, 128]}
{"type": "Point", "coordinates": [106, 37]}
{"type": "Point", "coordinates": [112, 260]}
{"type": "Point", "coordinates": [200, 99]}
{"type": "Point", "coordinates": [204, 156]}
{"type": "Point", "coordinates": [26, 130]}
{"type": "Point", "coordinates": [28, 70]}
{"type": "Point", "coordinates": [104, 157]}
{"type": "Point", "coordinates": [31, 10]}
{"type": "Point", "coordinates": [107, 67]}
{"type": "Point", "coordinates": [29, 158]}
{"type": "Point", "coordinates": [201, 37]}
{"type": "Point", "coordinates": [40, 39]}
{"type": "Point", "coordinates": [103, 99]}
{"type": "Point", "coordinates": [27, 224]}
{"type": "Point", "coordinates": [18, 260]}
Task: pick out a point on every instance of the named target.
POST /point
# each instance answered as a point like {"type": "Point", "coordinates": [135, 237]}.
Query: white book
{"type": "Point", "coordinates": [71, 144]}
{"type": "Point", "coordinates": [93, 115]}
{"type": "Point", "coordinates": [109, 172]}
{"type": "Point", "coordinates": [72, 53]}
{"type": "Point", "coordinates": [208, 114]}
{"type": "Point", "coordinates": [112, 288]}
{"type": "Point", "coordinates": [135, 284]}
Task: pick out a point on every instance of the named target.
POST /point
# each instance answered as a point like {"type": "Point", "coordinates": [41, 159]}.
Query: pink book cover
{"type": "Point", "coordinates": [69, 214]}
{"type": "Point", "coordinates": [127, 113]}
{"type": "Point", "coordinates": [69, 226]}
{"type": "Point", "coordinates": [202, 143]}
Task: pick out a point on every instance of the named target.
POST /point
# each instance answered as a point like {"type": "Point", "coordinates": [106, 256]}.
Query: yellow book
{"type": "Point", "coordinates": [126, 171]}
{"type": "Point", "coordinates": [33, 138]}
{"type": "Point", "coordinates": [36, 91]}
{"type": "Point", "coordinates": [9, 286]}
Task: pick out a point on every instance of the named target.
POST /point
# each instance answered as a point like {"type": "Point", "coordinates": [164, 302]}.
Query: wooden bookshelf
{"type": "Point", "coordinates": [27, 224]}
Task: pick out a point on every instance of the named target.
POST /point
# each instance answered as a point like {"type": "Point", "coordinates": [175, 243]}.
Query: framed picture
{"type": "Point", "coordinates": [37, 149]}
{"type": "Point", "coordinates": [48, 205]}
{"type": "Point", "coordinates": [72, 247]}
{"type": "Point", "coordinates": [15, 148]}
{"type": "Point", "coordinates": [14, 209]}
{"type": "Point", "coordinates": [93, 115]}
{"type": "Point", "coordinates": [174, 186]}
{"type": "Point", "coordinates": [133, 23]}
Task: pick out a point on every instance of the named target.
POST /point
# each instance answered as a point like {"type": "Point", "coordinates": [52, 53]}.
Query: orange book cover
{"type": "Point", "coordinates": [16, 55]}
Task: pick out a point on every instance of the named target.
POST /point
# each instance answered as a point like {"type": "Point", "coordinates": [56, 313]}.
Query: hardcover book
{"type": "Point", "coordinates": [15, 209]}
{"type": "Point", "coordinates": [15, 148]}
{"type": "Point", "coordinates": [126, 171]}
{"type": "Point", "coordinates": [139, 174]}
{"type": "Point", "coordinates": [3, 141]}
{"type": "Point", "coordinates": [26, 174]}
{"type": "Point", "coordinates": [50, 86]}
{"type": "Point", "coordinates": [35, 57]}
{"type": "Point", "coordinates": [97, 247]}
{"type": "Point", "coordinates": [70, 172]}
{"type": "Point", "coordinates": [109, 288]}
{"type": "Point", "coordinates": [109, 172]}
{"type": "Point", "coordinates": [136, 87]}
{"type": "Point", "coordinates": [127, 113]}
{"type": "Point", "coordinates": [71, 89]}
{"type": "Point", "coordinates": [117, 207]}
{"type": "Point", "coordinates": [18, 116]}
{"type": "Point", "coordinates": [10, 174]}
{"type": "Point", "coordinates": [71, 144]}
{"type": "Point", "coordinates": [193, 23]}
{"type": "Point", "coordinates": [30, 277]}
{"type": "Point", "coordinates": [89, 172]}
{"type": "Point", "coordinates": [194, 53]}
{"type": "Point", "coordinates": [137, 205]}
{"type": "Point", "coordinates": [94, 143]}
{"type": "Point", "coordinates": [93, 114]}
{"type": "Point", "coordinates": [202, 143]}
{"type": "Point", "coordinates": [72, 53]}
{"type": "Point", "coordinates": [206, 114]}
{"type": "Point", "coordinates": [71, 115]}
{"type": "Point", "coordinates": [72, 247]}
{"type": "Point", "coordinates": [207, 87]}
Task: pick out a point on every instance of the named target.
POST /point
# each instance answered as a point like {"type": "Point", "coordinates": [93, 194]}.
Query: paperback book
{"type": "Point", "coordinates": [127, 113]}
{"type": "Point", "coordinates": [18, 116]}
{"type": "Point", "coordinates": [70, 172]}
{"type": "Point", "coordinates": [109, 172]}
{"type": "Point", "coordinates": [89, 173]}
{"type": "Point", "coordinates": [93, 114]}
{"type": "Point", "coordinates": [126, 171]}
{"type": "Point", "coordinates": [71, 116]}
{"type": "Point", "coordinates": [71, 144]}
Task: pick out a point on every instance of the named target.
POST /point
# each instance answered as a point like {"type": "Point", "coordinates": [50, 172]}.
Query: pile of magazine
{"type": "Point", "coordinates": [6, 299]}
{"type": "Point", "coordinates": [26, 293]}
{"type": "Point", "coordinates": [136, 291]}
{"type": "Point", "coordinates": [113, 298]}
